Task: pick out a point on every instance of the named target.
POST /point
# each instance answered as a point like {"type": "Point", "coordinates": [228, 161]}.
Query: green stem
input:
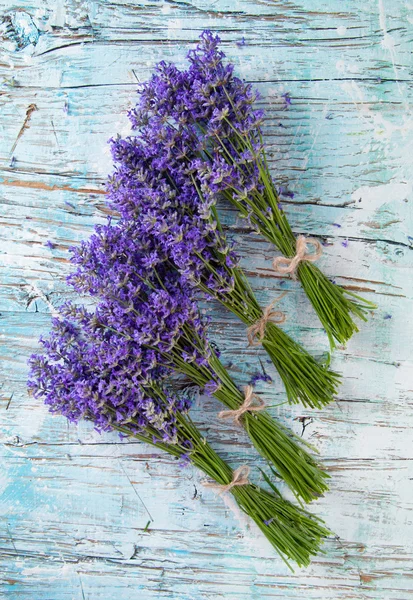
{"type": "Point", "coordinates": [274, 442]}
{"type": "Point", "coordinates": [334, 305]}
{"type": "Point", "coordinates": [306, 381]}
{"type": "Point", "coordinates": [294, 533]}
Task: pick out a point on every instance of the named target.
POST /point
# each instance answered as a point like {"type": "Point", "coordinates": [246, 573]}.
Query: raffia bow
{"type": "Point", "coordinates": [246, 406]}
{"type": "Point", "coordinates": [255, 332]}
{"type": "Point", "coordinates": [301, 248]}
{"type": "Point", "coordinates": [239, 477]}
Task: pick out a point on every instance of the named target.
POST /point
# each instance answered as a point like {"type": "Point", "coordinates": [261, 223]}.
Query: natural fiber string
{"type": "Point", "coordinates": [255, 332]}
{"type": "Point", "coordinates": [301, 248]}
{"type": "Point", "coordinates": [246, 406]}
{"type": "Point", "coordinates": [239, 477]}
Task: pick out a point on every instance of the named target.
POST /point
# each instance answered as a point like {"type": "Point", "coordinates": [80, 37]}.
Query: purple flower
{"type": "Point", "coordinates": [204, 123]}
{"type": "Point", "coordinates": [287, 99]}
{"type": "Point", "coordinates": [211, 387]}
{"type": "Point", "coordinates": [260, 376]}
{"type": "Point", "coordinates": [90, 371]}
{"type": "Point", "coordinates": [184, 460]}
{"type": "Point", "coordinates": [283, 191]}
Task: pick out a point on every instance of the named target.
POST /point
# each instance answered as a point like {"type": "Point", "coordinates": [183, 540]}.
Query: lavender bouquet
{"type": "Point", "coordinates": [213, 112]}
{"type": "Point", "coordinates": [154, 187]}
{"type": "Point", "coordinates": [141, 298]}
{"type": "Point", "coordinates": [88, 371]}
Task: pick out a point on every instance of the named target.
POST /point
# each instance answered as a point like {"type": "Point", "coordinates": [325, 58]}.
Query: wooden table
{"type": "Point", "coordinates": [75, 505]}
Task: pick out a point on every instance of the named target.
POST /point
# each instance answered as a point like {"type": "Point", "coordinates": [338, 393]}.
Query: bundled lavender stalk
{"type": "Point", "coordinates": [154, 187]}
{"type": "Point", "coordinates": [150, 304]}
{"type": "Point", "coordinates": [90, 372]}
{"type": "Point", "coordinates": [214, 113]}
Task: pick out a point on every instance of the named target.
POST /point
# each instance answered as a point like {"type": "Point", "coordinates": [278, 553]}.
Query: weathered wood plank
{"type": "Point", "coordinates": [89, 544]}
{"type": "Point", "coordinates": [73, 501]}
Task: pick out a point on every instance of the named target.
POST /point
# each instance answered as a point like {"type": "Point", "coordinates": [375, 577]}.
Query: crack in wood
{"type": "Point", "coordinates": [26, 124]}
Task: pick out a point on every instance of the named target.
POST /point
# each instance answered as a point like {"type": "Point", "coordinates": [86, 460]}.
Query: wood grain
{"type": "Point", "coordinates": [75, 504]}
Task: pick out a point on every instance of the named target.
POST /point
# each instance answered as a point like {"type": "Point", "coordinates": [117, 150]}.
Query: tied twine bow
{"type": "Point", "coordinates": [246, 406]}
{"type": "Point", "coordinates": [301, 248]}
{"type": "Point", "coordinates": [239, 477]}
{"type": "Point", "coordinates": [255, 332]}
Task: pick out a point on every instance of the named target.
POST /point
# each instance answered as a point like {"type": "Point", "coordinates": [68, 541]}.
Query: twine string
{"type": "Point", "coordinates": [288, 266]}
{"type": "Point", "coordinates": [239, 477]}
{"type": "Point", "coordinates": [255, 332]}
{"type": "Point", "coordinates": [247, 406]}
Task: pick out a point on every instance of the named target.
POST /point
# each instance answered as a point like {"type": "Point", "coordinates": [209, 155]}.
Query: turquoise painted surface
{"type": "Point", "coordinates": [75, 504]}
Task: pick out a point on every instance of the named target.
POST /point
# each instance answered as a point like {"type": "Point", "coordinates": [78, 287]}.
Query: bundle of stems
{"type": "Point", "coordinates": [306, 380]}
{"type": "Point", "coordinates": [334, 305]}
{"type": "Point", "coordinates": [77, 378]}
{"type": "Point", "coordinates": [293, 532]}
{"type": "Point", "coordinates": [214, 114]}
{"type": "Point", "coordinates": [283, 450]}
